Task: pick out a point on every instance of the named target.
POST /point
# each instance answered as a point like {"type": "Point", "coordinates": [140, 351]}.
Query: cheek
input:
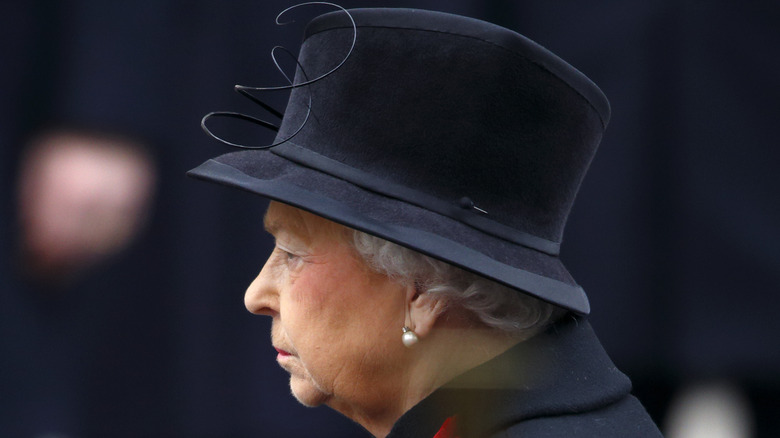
{"type": "Point", "coordinates": [309, 309]}
{"type": "Point", "coordinates": [344, 323]}
{"type": "Point", "coordinates": [308, 292]}
{"type": "Point", "coordinates": [328, 311]}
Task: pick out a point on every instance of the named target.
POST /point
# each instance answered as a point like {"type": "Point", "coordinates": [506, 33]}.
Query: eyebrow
{"type": "Point", "coordinates": [290, 225]}
{"type": "Point", "coordinates": [293, 222]}
{"type": "Point", "coordinates": [271, 226]}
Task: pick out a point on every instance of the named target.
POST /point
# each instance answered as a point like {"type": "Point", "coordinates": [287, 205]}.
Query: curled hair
{"type": "Point", "coordinates": [495, 305]}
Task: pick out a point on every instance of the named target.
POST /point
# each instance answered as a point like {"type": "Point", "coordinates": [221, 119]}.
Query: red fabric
{"type": "Point", "coordinates": [448, 429]}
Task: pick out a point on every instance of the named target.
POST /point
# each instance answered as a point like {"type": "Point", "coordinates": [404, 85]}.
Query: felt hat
{"type": "Point", "coordinates": [452, 136]}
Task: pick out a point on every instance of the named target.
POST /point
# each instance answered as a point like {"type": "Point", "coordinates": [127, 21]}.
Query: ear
{"type": "Point", "coordinates": [424, 310]}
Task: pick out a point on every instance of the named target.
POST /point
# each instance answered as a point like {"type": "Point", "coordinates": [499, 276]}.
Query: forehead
{"type": "Point", "coordinates": [282, 218]}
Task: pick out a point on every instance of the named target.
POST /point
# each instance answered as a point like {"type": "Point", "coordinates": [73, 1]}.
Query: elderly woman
{"type": "Point", "coordinates": [420, 181]}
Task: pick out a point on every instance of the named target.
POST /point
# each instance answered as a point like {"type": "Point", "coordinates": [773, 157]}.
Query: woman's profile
{"type": "Point", "coordinates": [420, 181]}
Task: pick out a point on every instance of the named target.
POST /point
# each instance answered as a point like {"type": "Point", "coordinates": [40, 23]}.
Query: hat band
{"type": "Point", "coordinates": [452, 210]}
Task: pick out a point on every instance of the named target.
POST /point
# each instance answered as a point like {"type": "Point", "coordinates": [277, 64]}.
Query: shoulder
{"type": "Point", "coordinates": [624, 418]}
{"type": "Point", "coordinates": [561, 383]}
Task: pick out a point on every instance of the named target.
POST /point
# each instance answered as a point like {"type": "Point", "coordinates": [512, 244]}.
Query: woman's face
{"type": "Point", "coordinates": [336, 325]}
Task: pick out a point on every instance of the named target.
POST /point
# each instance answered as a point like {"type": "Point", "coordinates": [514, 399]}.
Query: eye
{"type": "Point", "coordinates": [294, 261]}
{"type": "Point", "coordinates": [291, 259]}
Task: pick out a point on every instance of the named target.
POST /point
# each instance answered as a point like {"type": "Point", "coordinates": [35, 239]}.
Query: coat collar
{"type": "Point", "coordinates": [562, 371]}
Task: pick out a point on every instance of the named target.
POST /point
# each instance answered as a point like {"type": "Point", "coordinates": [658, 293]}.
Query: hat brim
{"type": "Point", "coordinates": [267, 174]}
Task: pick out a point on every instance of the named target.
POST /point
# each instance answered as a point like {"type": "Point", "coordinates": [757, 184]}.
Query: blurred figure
{"type": "Point", "coordinates": [82, 198]}
{"type": "Point", "coordinates": [710, 410]}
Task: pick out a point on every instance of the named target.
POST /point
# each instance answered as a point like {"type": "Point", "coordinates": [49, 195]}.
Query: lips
{"type": "Point", "coordinates": [281, 352]}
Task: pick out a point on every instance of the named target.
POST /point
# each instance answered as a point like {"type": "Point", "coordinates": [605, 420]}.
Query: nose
{"type": "Point", "coordinates": [262, 295]}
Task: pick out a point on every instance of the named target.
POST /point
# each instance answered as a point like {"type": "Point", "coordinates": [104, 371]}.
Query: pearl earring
{"type": "Point", "coordinates": [409, 338]}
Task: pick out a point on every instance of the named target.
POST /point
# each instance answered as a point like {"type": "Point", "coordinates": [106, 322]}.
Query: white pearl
{"type": "Point", "coordinates": [409, 338]}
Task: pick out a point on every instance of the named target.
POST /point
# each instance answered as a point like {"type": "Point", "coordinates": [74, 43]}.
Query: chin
{"type": "Point", "coordinates": [307, 393]}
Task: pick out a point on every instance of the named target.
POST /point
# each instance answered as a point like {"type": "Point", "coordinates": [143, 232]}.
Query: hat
{"type": "Point", "coordinates": [451, 136]}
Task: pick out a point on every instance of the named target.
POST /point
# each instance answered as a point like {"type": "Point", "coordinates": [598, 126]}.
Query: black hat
{"type": "Point", "coordinates": [448, 135]}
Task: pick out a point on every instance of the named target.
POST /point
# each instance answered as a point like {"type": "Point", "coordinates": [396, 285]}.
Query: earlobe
{"type": "Point", "coordinates": [424, 311]}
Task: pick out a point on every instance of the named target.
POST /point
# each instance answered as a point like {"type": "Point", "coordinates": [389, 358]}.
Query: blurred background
{"type": "Point", "coordinates": [121, 280]}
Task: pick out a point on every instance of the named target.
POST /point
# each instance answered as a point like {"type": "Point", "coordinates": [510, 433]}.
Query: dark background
{"type": "Point", "coordinates": [675, 235]}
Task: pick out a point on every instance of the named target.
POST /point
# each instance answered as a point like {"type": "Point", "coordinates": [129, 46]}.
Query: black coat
{"type": "Point", "coordinates": [560, 383]}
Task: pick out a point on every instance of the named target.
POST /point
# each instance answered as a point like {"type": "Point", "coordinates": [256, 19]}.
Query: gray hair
{"type": "Point", "coordinates": [497, 306]}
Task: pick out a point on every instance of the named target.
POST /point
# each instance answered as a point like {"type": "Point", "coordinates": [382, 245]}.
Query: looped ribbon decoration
{"type": "Point", "coordinates": [246, 91]}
